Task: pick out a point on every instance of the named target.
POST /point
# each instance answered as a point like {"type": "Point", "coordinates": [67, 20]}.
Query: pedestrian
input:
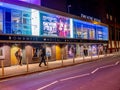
{"type": "Point", "coordinates": [18, 55]}
{"type": "Point", "coordinates": [42, 58]}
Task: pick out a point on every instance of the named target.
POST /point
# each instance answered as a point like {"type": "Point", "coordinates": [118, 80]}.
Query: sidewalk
{"type": "Point", "coordinates": [32, 68]}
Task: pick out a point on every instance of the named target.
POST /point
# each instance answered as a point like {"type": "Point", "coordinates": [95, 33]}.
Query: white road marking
{"type": "Point", "coordinates": [48, 85]}
{"type": "Point", "coordinates": [117, 62]}
{"type": "Point", "coordinates": [95, 70]}
{"type": "Point", "coordinates": [108, 66]}
{"type": "Point", "coordinates": [78, 76]}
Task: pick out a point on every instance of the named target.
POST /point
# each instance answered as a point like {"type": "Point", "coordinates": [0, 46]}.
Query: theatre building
{"type": "Point", "coordinates": [27, 27]}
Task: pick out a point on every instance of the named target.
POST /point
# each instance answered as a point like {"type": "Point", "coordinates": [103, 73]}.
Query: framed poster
{"type": "Point", "coordinates": [2, 56]}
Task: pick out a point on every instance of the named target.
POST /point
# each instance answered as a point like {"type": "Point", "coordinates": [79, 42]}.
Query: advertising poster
{"type": "Point", "coordinates": [77, 28]}
{"type": "Point", "coordinates": [35, 22]}
{"type": "Point", "coordinates": [85, 33]}
{"type": "Point", "coordinates": [63, 26]}
{"type": "Point", "coordinates": [2, 54]}
{"type": "Point", "coordinates": [89, 50]}
{"type": "Point", "coordinates": [36, 52]}
{"type": "Point", "coordinates": [54, 25]}
{"type": "Point", "coordinates": [100, 49]}
{"type": "Point", "coordinates": [16, 55]}
{"type": "Point", "coordinates": [81, 50]}
{"type": "Point", "coordinates": [105, 33]}
{"type": "Point", "coordinates": [81, 29]}
{"type": "Point", "coordinates": [48, 24]}
{"type": "Point", "coordinates": [58, 52]}
{"type": "Point", "coordinates": [94, 50]}
{"type": "Point", "coordinates": [71, 51]}
{"type": "Point", "coordinates": [48, 51]}
{"type": "Point", "coordinates": [99, 33]}
{"type": "Point", "coordinates": [91, 33]}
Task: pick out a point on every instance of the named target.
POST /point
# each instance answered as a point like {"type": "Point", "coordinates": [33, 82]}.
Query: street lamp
{"type": "Point", "coordinates": [68, 8]}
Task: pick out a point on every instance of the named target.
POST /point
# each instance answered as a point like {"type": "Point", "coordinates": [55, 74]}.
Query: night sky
{"type": "Point", "coordinates": [90, 7]}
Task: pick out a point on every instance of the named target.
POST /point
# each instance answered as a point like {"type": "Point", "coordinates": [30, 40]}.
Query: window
{"type": "Point", "coordinates": [1, 21]}
{"type": "Point", "coordinates": [16, 22]}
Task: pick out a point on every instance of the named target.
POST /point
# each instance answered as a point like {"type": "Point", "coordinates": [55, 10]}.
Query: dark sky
{"type": "Point", "coordinates": [90, 7]}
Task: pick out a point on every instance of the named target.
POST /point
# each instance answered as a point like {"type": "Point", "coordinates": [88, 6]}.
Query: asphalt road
{"type": "Point", "coordinates": [96, 75]}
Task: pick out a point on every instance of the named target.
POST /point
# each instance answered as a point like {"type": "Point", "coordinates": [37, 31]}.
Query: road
{"type": "Point", "coordinates": [96, 75]}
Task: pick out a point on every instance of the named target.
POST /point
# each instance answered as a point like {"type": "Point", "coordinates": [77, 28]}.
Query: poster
{"type": "Point", "coordinates": [100, 49]}
{"type": "Point", "coordinates": [48, 51]}
{"type": "Point", "coordinates": [78, 29]}
{"type": "Point", "coordinates": [99, 33]}
{"type": "Point", "coordinates": [71, 51]}
{"type": "Point", "coordinates": [54, 25]}
{"type": "Point", "coordinates": [94, 49]}
{"type": "Point", "coordinates": [105, 33]}
{"type": "Point", "coordinates": [36, 52]}
{"type": "Point", "coordinates": [63, 26]}
{"type": "Point", "coordinates": [91, 33]}
{"type": "Point", "coordinates": [48, 24]}
{"type": "Point", "coordinates": [2, 56]}
{"type": "Point", "coordinates": [85, 33]}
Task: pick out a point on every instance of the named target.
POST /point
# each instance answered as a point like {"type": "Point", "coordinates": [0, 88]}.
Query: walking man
{"type": "Point", "coordinates": [42, 59]}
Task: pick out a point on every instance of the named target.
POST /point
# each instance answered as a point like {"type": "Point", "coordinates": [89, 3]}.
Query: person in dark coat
{"type": "Point", "coordinates": [42, 59]}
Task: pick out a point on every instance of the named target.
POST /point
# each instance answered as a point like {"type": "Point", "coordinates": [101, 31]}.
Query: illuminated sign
{"type": "Point", "coordinates": [90, 18]}
{"type": "Point", "coordinates": [35, 22]}
{"type": "Point", "coordinates": [54, 25]}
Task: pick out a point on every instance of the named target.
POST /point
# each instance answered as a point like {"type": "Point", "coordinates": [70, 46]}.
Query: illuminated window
{"type": "Point", "coordinates": [1, 21]}
{"type": "Point", "coordinates": [111, 17]}
{"type": "Point", "coordinates": [107, 16]}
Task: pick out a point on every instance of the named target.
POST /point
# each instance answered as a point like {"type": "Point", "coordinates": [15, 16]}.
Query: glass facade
{"type": "Point", "coordinates": [1, 21]}
{"type": "Point", "coordinates": [26, 21]}
{"type": "Point", "coordinates": [85, 30]}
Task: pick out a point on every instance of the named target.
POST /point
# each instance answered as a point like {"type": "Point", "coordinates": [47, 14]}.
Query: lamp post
{"type": "Point", "coordinates": [68, 8]}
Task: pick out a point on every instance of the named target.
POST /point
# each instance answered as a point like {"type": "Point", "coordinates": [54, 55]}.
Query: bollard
{"type": "Point", "coordinates": [91, 55]}
{"type": "Point", "coordinates": [98, 54]}
{"type": "Point", "coordinates": [62, 60]}
{"type": "Point", "coordinates": [2, 64]}
{"type": "Point", "coordinates": [47, 61]}
{"type": "Point", "coordinates": [73, 58]}
{"type": "Point", "coordinates": [27, 65]}
{"type": "Point", "coordinates": [83, 57]}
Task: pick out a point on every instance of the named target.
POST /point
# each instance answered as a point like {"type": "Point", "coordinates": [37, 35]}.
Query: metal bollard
{"type": "Point", "coordinates": [91, 55]}
{"type": "Point", "coordinates": [73, 58]}
{"type": "Point", "coordinates": [47, 61]}
{"type": "Point", "coordinates": [98, 54]}
{"type": "Point", "coordinates": [27, 65]}
{"type": "Point", "coordinates": [2, 64]}
{"type": "Point", "coordinates": [83, 57]}
{"type": "Point", "coordinates": [62, 60]}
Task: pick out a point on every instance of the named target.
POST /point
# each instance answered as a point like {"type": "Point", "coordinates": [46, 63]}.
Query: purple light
{"type": "Point", "coordinates": [37, 2]}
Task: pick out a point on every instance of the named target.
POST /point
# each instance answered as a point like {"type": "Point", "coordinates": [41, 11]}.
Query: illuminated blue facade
{"type": "Point", "coordinates": [27, 27]}
{"type": "Point", "coordinates": [26, 21]}
{"type": "Point", "coordinates": [85, 30]}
